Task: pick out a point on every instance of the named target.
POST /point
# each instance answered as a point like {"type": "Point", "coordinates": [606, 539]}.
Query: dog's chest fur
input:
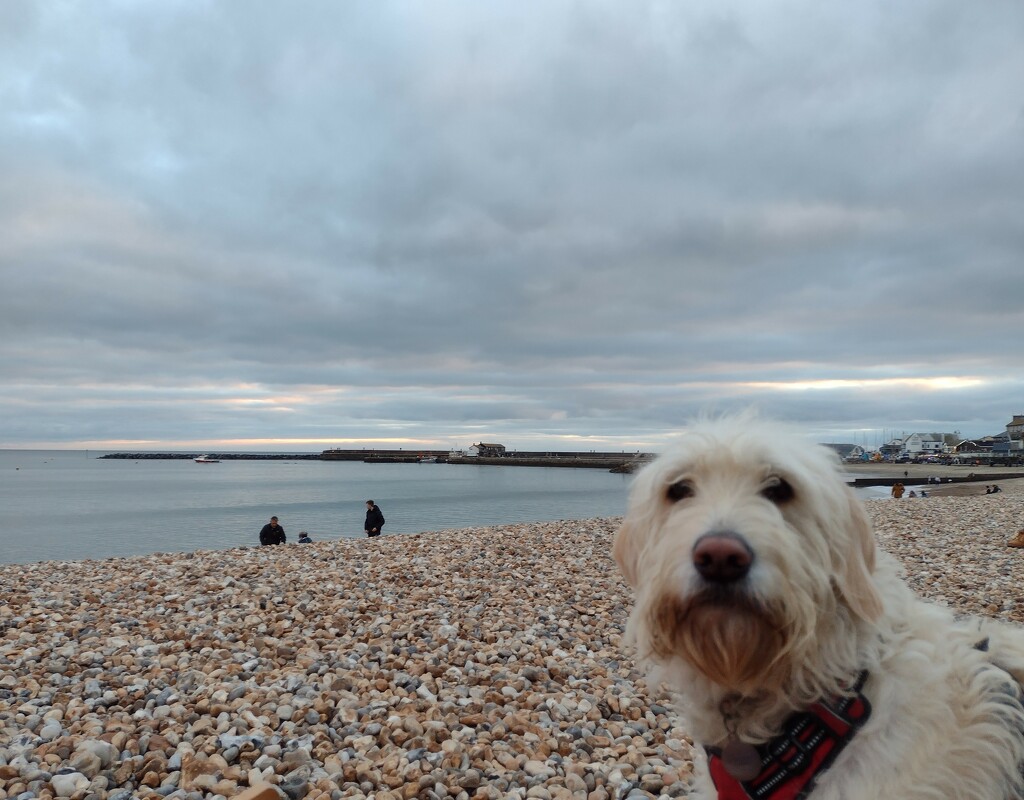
{"type": "Point", "coordinates": [942, 715]}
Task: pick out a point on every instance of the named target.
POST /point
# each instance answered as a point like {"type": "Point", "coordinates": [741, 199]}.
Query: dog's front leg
{"type": "Point", "coordinates": [703, 786]}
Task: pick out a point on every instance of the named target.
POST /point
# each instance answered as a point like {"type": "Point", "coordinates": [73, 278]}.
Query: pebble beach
{"type": "Point", "coordinates": [472, 663]}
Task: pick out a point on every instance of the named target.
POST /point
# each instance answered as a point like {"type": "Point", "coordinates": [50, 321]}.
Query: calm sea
{"type": "Point", "coordinates": [68, 505]}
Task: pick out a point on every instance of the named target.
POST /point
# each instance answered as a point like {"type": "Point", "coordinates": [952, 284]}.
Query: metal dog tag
{"type": "Point", "coordinates": [741, 760]}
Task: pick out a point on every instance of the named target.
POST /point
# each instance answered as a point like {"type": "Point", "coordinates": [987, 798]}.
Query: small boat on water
{"type": "Point", "coordinates": [206, 460]}
{"type": "Point", "coordinates": [428, 459]}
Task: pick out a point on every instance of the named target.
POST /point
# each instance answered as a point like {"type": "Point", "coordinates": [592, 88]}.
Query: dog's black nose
{"type": "Point", "coordinates": [722, 557]}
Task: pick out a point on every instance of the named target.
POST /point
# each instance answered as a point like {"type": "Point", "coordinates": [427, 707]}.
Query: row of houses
{"type": "Point", "coordinates": [1009, 443]}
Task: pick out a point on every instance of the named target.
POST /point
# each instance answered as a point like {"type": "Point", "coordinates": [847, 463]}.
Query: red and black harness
{"type": "Point", "coordinates": [792, 762]}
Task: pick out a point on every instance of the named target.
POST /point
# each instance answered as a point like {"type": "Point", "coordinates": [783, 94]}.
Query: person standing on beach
{"type": "Point", "coordinates": [272, 533]}
{"type": "Point", "coordinates": [374, 519]}
{"type": "Point", "coordinates": [897, 490]}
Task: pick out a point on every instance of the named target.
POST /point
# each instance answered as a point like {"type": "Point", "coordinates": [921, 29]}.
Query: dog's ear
{"type": "Point", "coordinates": [857, 563]}
{"type": "Point", "coordinates": [626, 550]}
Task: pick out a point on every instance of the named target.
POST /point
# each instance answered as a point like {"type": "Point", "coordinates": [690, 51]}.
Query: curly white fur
{"type": "Point", "coordinates": [818, 605]}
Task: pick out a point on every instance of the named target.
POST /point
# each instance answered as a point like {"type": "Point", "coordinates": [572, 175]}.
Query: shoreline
{"type": "Point", "coordinates": [977, 489]}
{"type": "Point", "coordinates": [486, 661]}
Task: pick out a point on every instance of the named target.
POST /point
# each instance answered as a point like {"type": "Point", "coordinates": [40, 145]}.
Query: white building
{"type": "Point", "coordinates": [1015, 432]}
{"type": "Point", "coordinates": [929, 444]}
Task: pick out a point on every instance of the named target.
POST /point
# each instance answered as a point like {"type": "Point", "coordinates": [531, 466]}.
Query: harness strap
{"type": "Point", "coordinates": [792, 762]}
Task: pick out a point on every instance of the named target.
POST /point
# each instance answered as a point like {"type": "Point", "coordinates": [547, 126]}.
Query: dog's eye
{"type": "Point", "coordinates": [779, 491]}
{"type": "Point", "coordinates": [679, 490]}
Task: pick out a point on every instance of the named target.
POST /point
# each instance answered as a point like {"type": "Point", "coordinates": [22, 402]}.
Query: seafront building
{"type": "Point", "coordinates": [1005, 448]}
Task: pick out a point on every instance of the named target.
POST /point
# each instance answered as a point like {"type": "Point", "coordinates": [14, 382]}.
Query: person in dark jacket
{"type": "Point", "coordinates": [374, 519]}
{"type": "Point", "coordinates": [272, 533]}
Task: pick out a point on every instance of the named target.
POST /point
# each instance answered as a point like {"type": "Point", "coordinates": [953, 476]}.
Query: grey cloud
{"type": "Point", "coordinates": [605, 219]}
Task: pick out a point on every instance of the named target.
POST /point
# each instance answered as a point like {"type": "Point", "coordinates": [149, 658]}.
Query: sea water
{"type": "Point", "coordinates": [72, 505]}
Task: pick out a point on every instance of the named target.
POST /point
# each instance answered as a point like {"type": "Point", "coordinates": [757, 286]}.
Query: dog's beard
{"type": "Point", "coordinates": [723, 633]}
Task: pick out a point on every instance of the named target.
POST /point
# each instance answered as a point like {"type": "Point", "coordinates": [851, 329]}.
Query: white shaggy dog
{"type": "Point", "coordinates": [805, 665]}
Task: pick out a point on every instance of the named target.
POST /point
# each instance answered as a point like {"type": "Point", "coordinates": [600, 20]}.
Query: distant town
{"type": "Point", "coordinates": [1001, 449]}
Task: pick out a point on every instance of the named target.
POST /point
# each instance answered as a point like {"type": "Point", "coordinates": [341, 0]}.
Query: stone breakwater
{"type": "Point", "coordinates": [479, 663]}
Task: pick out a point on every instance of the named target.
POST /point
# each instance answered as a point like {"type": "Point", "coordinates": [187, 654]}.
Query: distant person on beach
{"type": "Point", "coordinates": [272, 533]}
{"type": "Point", "coordinates": [374, 519]}
{"type": "Point", "coordinates": [897, 490]}
{"type": "Point", "coordinates": [304, 538]}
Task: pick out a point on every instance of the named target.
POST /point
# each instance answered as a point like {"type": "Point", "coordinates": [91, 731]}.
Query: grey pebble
{"type": "Point", "coordinates": [295, 787]}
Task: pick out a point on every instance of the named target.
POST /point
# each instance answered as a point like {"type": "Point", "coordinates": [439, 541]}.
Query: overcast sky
{"type": "Point", "coordinates": [235, 225]}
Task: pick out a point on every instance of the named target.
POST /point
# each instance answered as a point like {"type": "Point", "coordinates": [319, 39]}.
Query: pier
{"type": "Point", "coordinates": [217, 456]}
{"type": "Point", "coordinates": [616, 462]}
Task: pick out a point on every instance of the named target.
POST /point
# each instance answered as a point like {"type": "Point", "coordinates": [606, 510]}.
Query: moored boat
{"type": "Point", "coordinates": [206, 460]}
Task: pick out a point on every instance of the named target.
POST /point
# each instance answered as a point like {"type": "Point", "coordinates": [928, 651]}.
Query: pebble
{"type": "Point", "coordinates": [50, 731]}
{"type": "Point", "coordinates": [475, 663]}
{"type": "Point", "coordinates": [65, 785]}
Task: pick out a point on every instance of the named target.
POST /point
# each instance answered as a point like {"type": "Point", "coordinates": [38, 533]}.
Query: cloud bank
{"type": "Point", "coordinates": [558, 225]}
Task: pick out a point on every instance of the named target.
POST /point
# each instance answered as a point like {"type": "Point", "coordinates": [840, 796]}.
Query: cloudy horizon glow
{"type": "Point", "coordinates": [557, 226]}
